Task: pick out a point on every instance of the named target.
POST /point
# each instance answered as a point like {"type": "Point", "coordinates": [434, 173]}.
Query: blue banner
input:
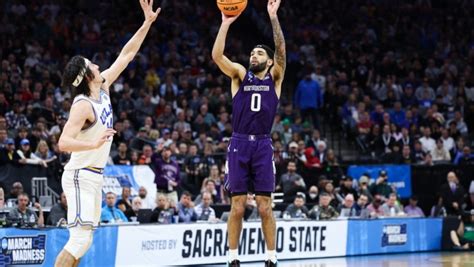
{"type": "Point", "coordinates": [393, 235]}
{"type": "Point", "coordinates": [41, 247]}
{"type": "Point", "coordinates": [398, 175]}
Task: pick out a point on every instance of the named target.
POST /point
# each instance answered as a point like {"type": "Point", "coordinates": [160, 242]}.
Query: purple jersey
{"type": "Point", "coordinates": [254, 106]}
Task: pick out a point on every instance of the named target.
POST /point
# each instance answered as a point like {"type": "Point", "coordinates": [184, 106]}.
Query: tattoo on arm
{"type": "Point", "coordinates": [279, 39]}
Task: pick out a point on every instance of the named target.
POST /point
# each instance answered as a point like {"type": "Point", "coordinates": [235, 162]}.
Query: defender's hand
{"type": "Point", "coordinates": [147, 7]}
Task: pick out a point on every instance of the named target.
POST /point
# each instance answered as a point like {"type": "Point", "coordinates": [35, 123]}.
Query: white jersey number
{"type": "Point", "coordinates": [256, 102]}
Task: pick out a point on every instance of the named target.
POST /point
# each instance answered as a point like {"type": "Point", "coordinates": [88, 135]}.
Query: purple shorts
{"type": "Point", "coordinates": [250, 166]}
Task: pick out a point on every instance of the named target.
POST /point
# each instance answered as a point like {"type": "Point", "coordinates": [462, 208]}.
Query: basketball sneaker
{"type": "Point", "coordinates": [234, 263]}
{"type": "Point", "coordinates": [269, 263]}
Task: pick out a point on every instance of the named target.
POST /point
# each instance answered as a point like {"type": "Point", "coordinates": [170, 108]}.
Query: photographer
{"type": "Point", "coordinates": [381, 186]}
{"type": "Point", "coordinates": [24, 215]}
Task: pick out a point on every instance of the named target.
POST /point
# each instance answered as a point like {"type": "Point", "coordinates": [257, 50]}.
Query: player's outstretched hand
{"type": "Point", "coordinates": [147, 7]}
{"type": "Point", "coordinates": [272, 7]}
{"type": "Point", "coordinates": [229, 19]}
{"type": "Point", "coordinates": [106, 137]}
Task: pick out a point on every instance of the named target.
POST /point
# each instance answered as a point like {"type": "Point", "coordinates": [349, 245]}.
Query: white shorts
{"type": "Point", "coordinates": [83, 190]}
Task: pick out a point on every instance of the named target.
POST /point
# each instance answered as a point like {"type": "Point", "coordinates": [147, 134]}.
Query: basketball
{"type": "Point", "coordinates": [231, 7]}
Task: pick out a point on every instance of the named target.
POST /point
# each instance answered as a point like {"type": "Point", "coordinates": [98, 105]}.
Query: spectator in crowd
{"type": "Point", "coordinates": [407, 155]}
{"type": "Point", "coordinates": [136, 206]}
{"type": "Point", "coordinates": [214, 175]}
{"type": "Point", "coordinates": [297, 210]}
{"type": "Point", "coordinates": [312, 197]}
{"type": "Point", "coordinates": [167, 177]}
{"type": "Point", "coordinates": [329, 189]}
{"type": "Point", "coordinates": [25, 216]}
{"type": "Point", "coordinates": [440, 153]}
{"type": "Point", "coordinates": [323, 211]}
{"type": "Point", "coordinates": [346, 188]}
{"type": "Point", "coordinates": [162, 214]}
{"type": "Point", "coordinates": [204, 211]}
{"type": "Point", "coordinates": [308, 98]}
{"type": "Point", "coordinates": [193, 165]}
{"type": "Point", "coordinates": [58, 214]}
{"type": "Point", "coordinates": [122, 157]}
{"type": "Point", "coordinates": [464, 157]}
{"type": "Point", "coordinates": [9, 155]}
{"type": "Point", "coordinates": [381, 186]}
{"type": "Point", "coordinates": [375, 208]}
{"type": "Point", "coordinates": [418, 154]}
{"type": "Point", "coordinates": [209, 187]}
{"type": "Point", "coordinates": [125, 202]}
{"type": "Point", "coordinates": [438, 210]}
{"type": "Point", "coordinates": [43, 152]}
{"type": "Point", "coordinates": [16, 190]}
{"type": "Point", "coordinates": [25, 153]}
{"type": "Point", "coordinates": [361, 205]}
{"type": "Point", "coordinates": [364, 182]}
{"type": "Point", "coordinates": [291, 183]}
{"type": "Point", "coordinates": [111, 214]}
{"type": "Point", "coordinates": [145, 157]}
{"type": "Point", "coordinates": [412, 208]}
{"type": "Point", "coordinates": [251, 210]}
{"type": "Point", "coordinates": [391, 207]}
{"type": "Point", "coordinates": [186, 210]}
{"type": "Point", "coordinates": [148, 200]}
{"type": "Point", "coordinates": [347, 208]}
{"type": "Point", "coordinates": [428, 144]}
{"type": "Point", "coordinates": [453, 194]}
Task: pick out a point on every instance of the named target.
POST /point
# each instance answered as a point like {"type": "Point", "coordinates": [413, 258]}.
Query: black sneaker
{"type": "Point", "coordinates": [234, 263]}
{"type": "Point", "coordinates": [269, 263]}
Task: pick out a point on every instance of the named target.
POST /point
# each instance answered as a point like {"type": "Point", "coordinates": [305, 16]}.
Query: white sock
{"type": "Point", "coordinates": [271, 254]}
{"type": "Point", "coordinates": [233, 254]}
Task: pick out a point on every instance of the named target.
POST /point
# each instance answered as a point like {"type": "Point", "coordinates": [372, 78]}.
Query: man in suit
{"type": "Point", "coordinates": [453, 194]}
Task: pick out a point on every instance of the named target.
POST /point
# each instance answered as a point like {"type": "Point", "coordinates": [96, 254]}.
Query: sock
{"type": "Point", "coordinates": [271, 254]}
{"type": "Point", "coordinates": [233, 254]}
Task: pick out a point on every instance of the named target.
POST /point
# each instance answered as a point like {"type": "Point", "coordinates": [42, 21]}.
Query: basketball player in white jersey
{"type": "Point", "coordinates": [88, 134]}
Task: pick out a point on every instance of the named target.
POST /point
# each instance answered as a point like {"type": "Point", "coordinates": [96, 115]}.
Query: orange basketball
{"type": "Point", "coordinates": [232, 7]}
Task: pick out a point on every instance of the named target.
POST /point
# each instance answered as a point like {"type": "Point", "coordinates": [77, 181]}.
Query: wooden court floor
{"type": "Point", "coordinates": [432, 259]}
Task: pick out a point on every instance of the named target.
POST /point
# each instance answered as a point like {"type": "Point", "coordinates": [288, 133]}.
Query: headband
{"type": "Point", "coordinates": [80, 75]}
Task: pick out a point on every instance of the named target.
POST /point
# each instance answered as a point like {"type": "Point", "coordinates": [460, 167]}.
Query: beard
{"type": "Point", "coordinates": [258, 68]}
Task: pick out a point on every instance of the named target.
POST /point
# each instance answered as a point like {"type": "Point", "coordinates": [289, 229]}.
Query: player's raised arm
{"type": "Point", "coordinates": [133, 45]}
{"type": "Point", "coordinates": [279, 65]}
{"type": "Point", "coordinates": [229, 68]}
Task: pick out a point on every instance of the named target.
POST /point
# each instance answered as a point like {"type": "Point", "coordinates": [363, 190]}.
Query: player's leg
{"type": "Point", "coordinates": [238, 157]}
{"type": "Point", "coordinates": [264, 185]}
{"type": "Point", "coordinates": [81, 189]}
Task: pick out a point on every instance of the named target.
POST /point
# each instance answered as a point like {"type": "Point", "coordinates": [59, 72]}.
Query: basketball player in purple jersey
{"type": "Point", "coordinates": [255, 94]}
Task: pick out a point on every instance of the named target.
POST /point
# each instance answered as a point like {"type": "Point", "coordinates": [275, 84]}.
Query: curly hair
{"type": "Point", "coordinates": [74, 67]}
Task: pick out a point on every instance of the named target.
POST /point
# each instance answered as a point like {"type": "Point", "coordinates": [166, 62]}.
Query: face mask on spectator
{"type": "Point", "coordinates": [313, 195]}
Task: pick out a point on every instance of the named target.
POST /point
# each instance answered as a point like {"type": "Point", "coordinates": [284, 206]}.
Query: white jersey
{"type": "Point", "coordinates": [103, 119]}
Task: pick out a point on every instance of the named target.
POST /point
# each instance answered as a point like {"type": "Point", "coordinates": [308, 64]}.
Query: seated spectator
{"type": "Point", "coordinates": [251, 210]}
{"type": "Point", "coordinates": [25, 216]}
{"type": "Point", "coordinates": [43, 152]}
{"type": "Point", "coordinates": [58, 214]}
{"type": "Point", "coordinates": [25, 153]}
{"type": "Point", "coordinates": [428, 144]}
{"type": "Point", "coordinates": [381, 186]}
{"type": "Point", "coordinates": [291, 182]}
{"type": "Point", "coordinates": [214, 175]}
{"type": "Point", "coordinates": [148, 201]}
{"type": "Point", "coordinates": [407, 155]}
{"type": "Point", "coordinates": [346, 188]}
{"type": "Point", "coordinates": [418, 154]}
{"type": "Point", "coordinates": [136, 206]}
{"type": "Point", "coordinates": [124, 203]}
{"type": "Point", "coordinates": [162, 213]}
{"type": "Point", "coordinates": [347, 208]}
{"type": "Point", "coordinates": [361, 205]}
{"type": "Point", "coordinates": [464, 157]}
{"type": "Point", "coordinates": [204, 211]}
{"type": "Point", "coordinates": [16, 190]}
{"type": "Point", "coordinates": [312, 196]}
{"type": "Point", "coordinates": [412, 209]}
{"type": "Point", "coordinates": [111, 214]}
{"type": "Point", "coordinates": [392, 207]}
{"type": "Point", "coordinates": [185, 207]}
{"type": "Point", "coordinates": [323, 211]}
{"type": "Point", "coordinates": [145, 157]}
{"type": "Point", "coordinates": [210, 188]}
{"type": "Point", "coordinates": [329, 189]}
{"type": "Point", "coordinates": [440, 153]}
{"type": "Point", "coordinates": [297, 210]}
{"type": "Point", "coordinates": [364, 182]}
{"type": "Point", "coordinates": [375, 208]}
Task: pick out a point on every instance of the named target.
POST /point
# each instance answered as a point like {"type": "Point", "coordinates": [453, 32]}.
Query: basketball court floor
{"type": "Point", "coordinates": [431, 259]}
